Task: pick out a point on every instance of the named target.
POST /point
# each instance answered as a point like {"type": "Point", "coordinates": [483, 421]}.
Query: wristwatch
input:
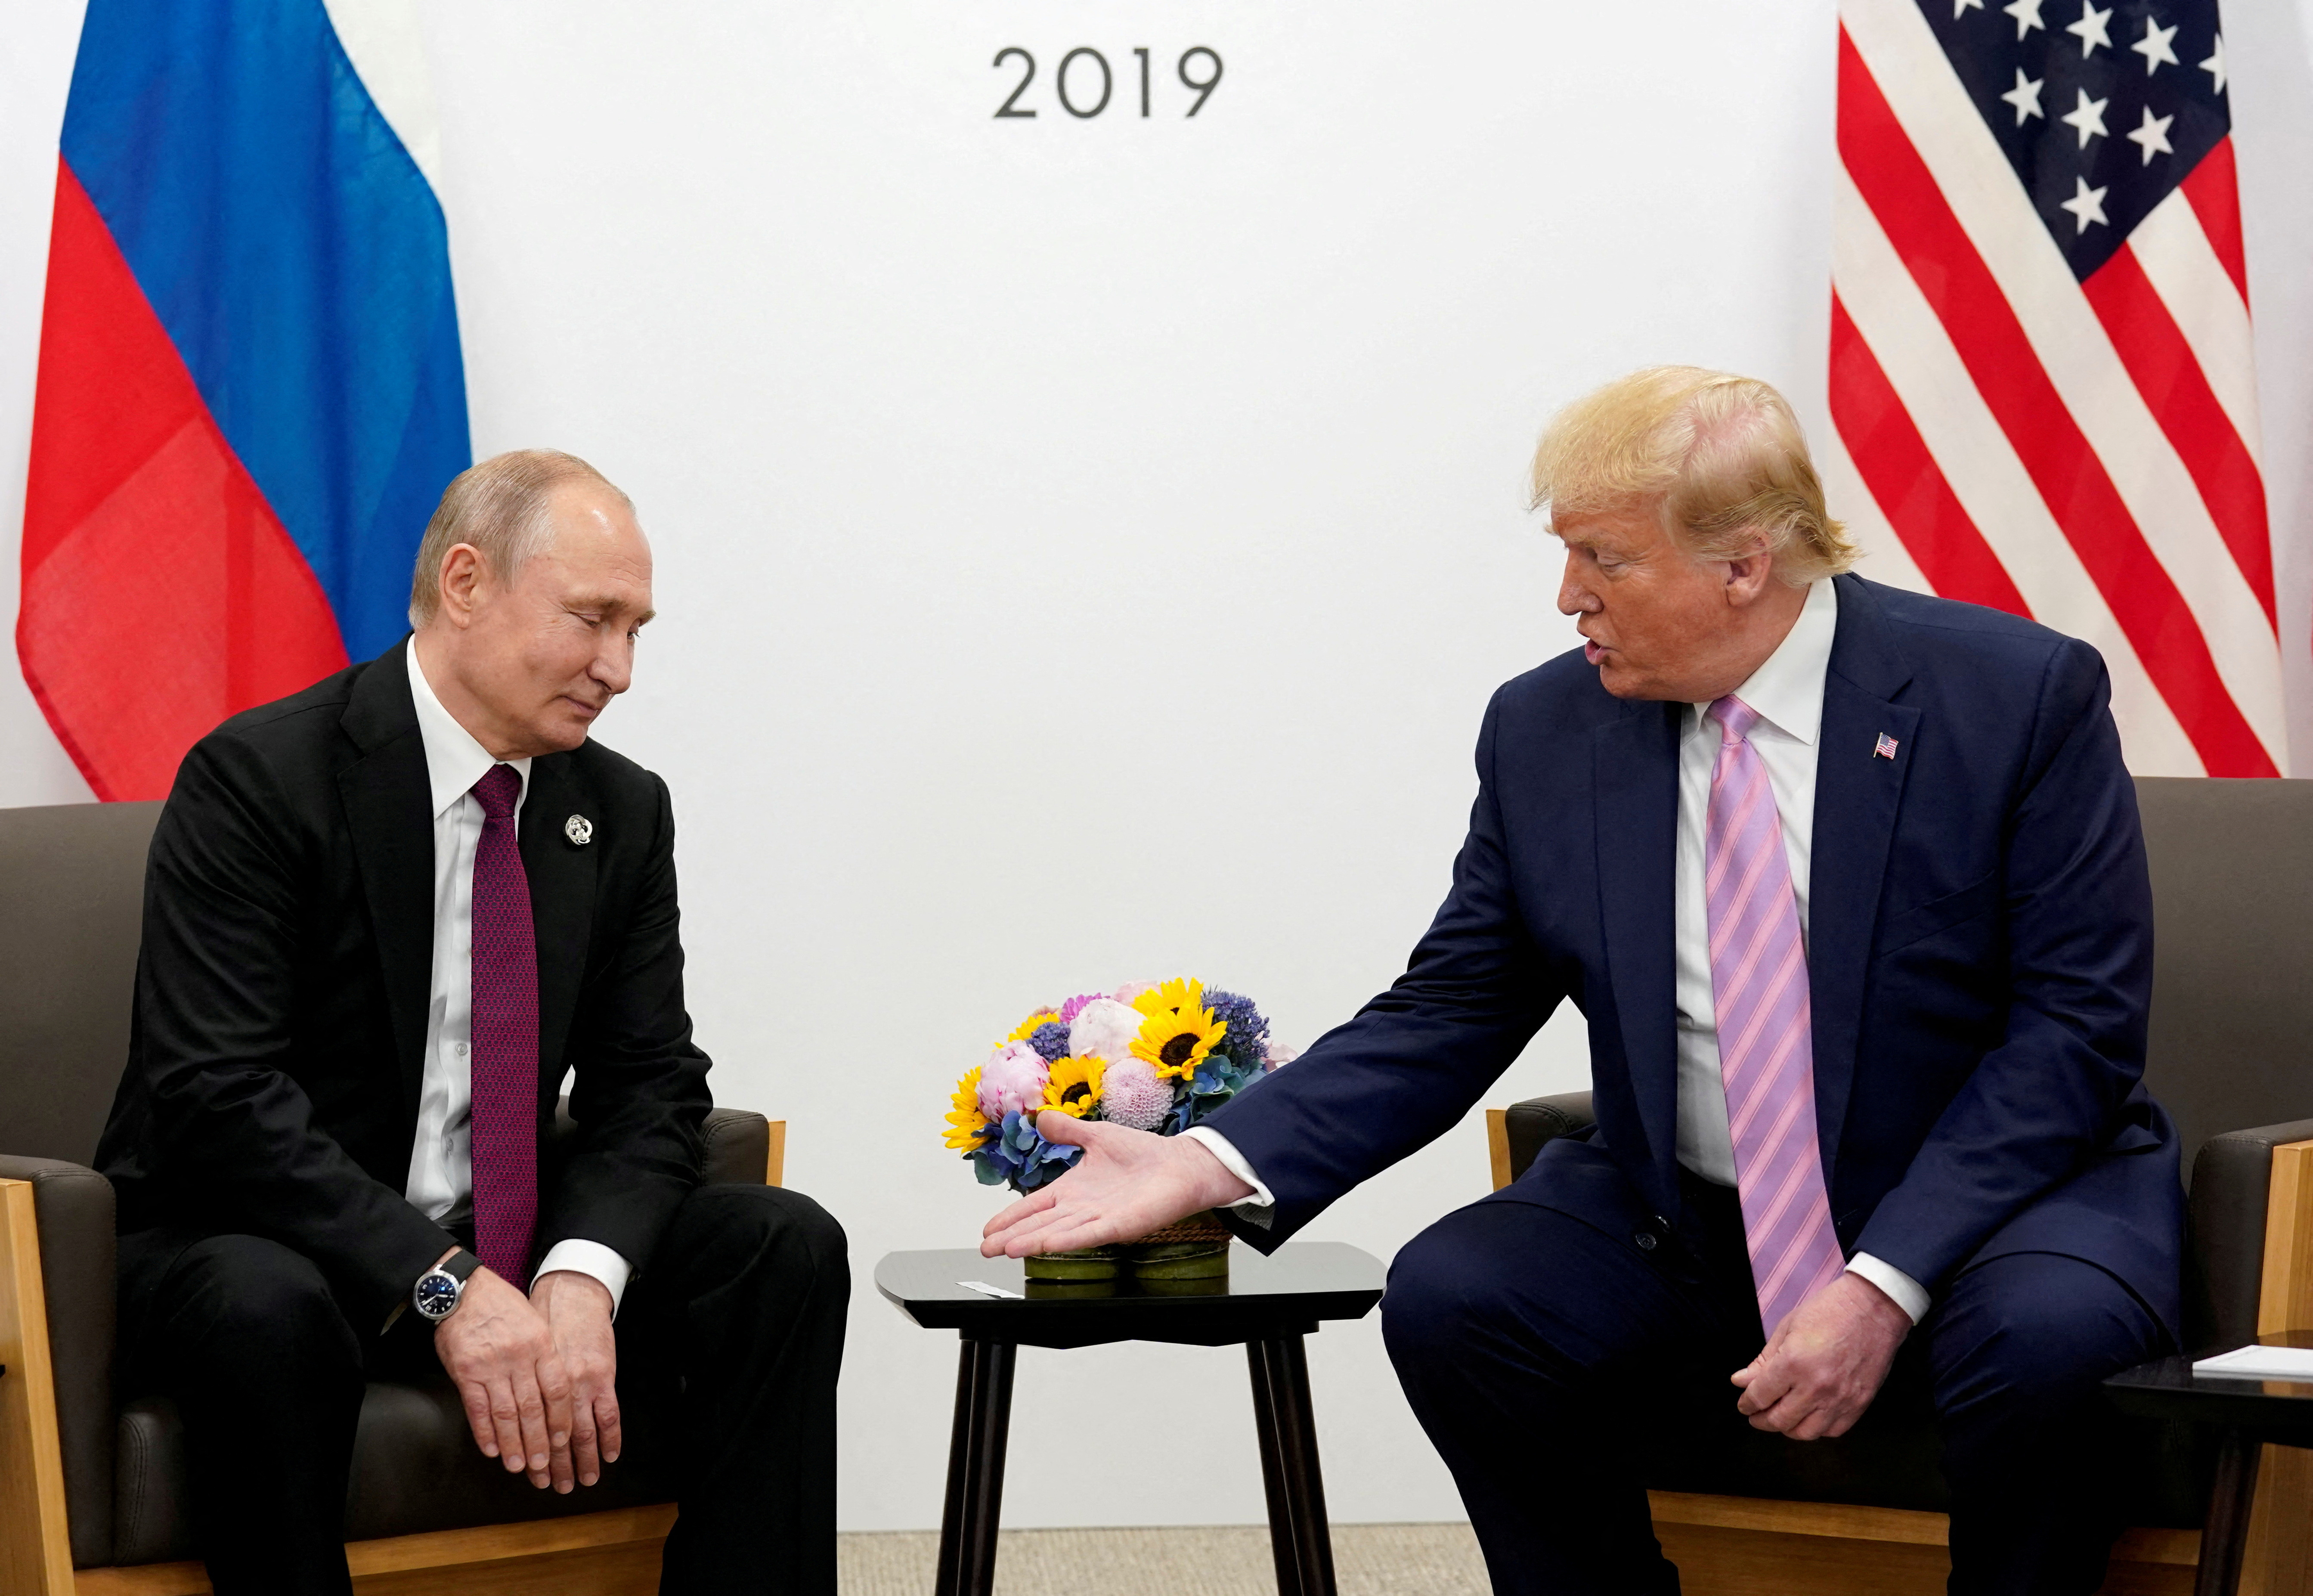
{"type": "Point", "coordinates": [439, 1290]}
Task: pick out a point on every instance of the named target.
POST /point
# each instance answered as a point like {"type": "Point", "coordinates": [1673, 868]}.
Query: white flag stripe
{"type": "Point", "coordinates": [1885, 558]}
{"type": "Point", "coordinates": [1990, 481]}
{"type": "Point", "coordinates": [381, 40]}
{"type": "Point", "coordinates": [1944, 126]}
{"type": "Point", "coordinates": [2174, 250]}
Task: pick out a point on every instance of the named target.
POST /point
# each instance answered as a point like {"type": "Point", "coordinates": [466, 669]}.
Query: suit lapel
{"type": "Point", "coordinates": [388, 811]}
{"type": "Point", "coordinates": [1856, 795]}
{"type": "Point", "coordinates": [1635, 803]}
{"type": "Point", "coordinates": [561, 893]}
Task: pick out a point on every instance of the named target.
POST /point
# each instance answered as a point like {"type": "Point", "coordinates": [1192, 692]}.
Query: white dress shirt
{"type": "Point", "coordinates": [441, 1160]}
{"type": "Point", "coordinates": [1787, 692]}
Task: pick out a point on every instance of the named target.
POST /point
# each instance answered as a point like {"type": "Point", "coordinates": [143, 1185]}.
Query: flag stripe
{"type": "Point", "coordinates": [2214, 190]}
{"type": "Point", "coordinates": [1896, 320]}
{"type": "Point", "coordinates": [1905, 480]}
{"type": "Point", "coordinates": [1876, 539]}
{"type": "Point", "coordinates": [2210, 313]}
{"type": "Point", "coordinates": [1895, 182]}
{"type": "Point", "coordinates": [2161, 365]}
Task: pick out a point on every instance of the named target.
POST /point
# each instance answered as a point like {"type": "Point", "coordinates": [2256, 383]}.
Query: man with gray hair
{"type": "Point", "coordinates": [384, 919]}
{"type": "Point", "coordinates": [1849, 885]}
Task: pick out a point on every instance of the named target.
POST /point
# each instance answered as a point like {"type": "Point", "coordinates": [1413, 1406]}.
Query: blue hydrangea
{"type": "Point", "coordinates": [1248, 1032]}
{"type": "Point", "coordinates": [1217, 1079]}
{"type": "Point", "coordinates": [1050, 1040]}
{"type": "Point", "coordinates": [1020, 1158]}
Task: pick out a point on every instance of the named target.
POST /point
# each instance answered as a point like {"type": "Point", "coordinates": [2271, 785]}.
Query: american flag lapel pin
{"type": "Point", "coordinates": [1885, 748]}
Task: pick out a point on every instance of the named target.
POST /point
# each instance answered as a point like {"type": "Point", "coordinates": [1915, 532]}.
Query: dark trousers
{"type": "Point", "coordinates": [1556, 1365]}
{"type": "Point", "coordinates": [729, 1342]}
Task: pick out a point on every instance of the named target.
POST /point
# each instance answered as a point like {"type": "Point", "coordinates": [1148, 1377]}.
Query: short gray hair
{"type": "Point", "coordinates": [500, 506]}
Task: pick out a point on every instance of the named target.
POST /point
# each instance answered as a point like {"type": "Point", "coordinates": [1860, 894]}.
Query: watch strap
{"type": "Point", "coordinates": [460, 1266]}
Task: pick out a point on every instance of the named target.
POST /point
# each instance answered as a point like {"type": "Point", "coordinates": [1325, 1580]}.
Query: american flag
{"type": "Point", "coordinates": [2042, 384]}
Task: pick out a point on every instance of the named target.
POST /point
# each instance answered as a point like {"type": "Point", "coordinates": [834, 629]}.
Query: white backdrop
{"type": "Point", "coordinates": [1085, 547]}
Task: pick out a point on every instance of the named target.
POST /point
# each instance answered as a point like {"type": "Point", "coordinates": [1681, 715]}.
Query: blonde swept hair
{"type": "Point", "coordinates": [1720, 459]}
{"type": "Point", "coordinates": [501, 506]}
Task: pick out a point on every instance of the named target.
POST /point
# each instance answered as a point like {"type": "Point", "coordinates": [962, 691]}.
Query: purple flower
{"type": "Point", "coordinates": [1051, 1041]}
{"type": "Point", "coordinates": [1075, 1006]}
{"type": "Point", "coordinates": [1012, 1079]}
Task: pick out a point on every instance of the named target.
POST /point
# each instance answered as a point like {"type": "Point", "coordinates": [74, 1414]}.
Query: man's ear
{"type": "Point", "coordinates": [463, 577]}
{"type": "Point", "coordinates": [1750, 574]}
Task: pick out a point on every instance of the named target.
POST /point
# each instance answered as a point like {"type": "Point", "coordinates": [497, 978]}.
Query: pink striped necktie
{"type": "Point", "coordinates": [504, 1057]}
{"type": "Point", "coordinates": [1766, 1055]}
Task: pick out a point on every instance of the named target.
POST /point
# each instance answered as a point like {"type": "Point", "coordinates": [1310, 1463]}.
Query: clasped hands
{"type": "Point", "coordinates": [1815, 1378]}
{"type": "Point", "coordinates": [537, 1374]}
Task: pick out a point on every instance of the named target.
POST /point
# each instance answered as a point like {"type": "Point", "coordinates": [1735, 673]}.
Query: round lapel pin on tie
{"type": "Point", "coordinates": [579, 830]}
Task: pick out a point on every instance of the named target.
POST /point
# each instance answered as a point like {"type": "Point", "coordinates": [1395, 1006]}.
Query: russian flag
{"type": "Point", "coordinates": [249, 394]}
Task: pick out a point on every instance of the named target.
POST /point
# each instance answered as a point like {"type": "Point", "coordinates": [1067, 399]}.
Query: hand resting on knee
{"type": "Point", "coordinates": [513, 1360]}
{"type": "Point", "coordinates": [1825, 1361]}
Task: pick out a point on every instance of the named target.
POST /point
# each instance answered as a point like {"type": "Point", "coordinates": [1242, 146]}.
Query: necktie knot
{"type": "Point", "coordinates": [1736, 718]}
{"type": "Point", "coordinates": [498, 792]}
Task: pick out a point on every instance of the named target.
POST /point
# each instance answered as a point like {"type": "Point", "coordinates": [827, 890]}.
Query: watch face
{"type": "Point", "coordinates": [438, 1293]}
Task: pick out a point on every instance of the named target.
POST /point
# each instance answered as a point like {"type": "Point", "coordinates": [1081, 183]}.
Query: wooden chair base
{"type": "Point", "coordinates": [595, 1554]}
{"type": "Point", "coordinates": [1741, 1546]}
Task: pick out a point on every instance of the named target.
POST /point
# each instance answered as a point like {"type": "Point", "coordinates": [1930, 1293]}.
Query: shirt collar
{"type": "Point", "coordinates": [1787, 691]}
{"type": "Point", "coordinates": [454, 762]}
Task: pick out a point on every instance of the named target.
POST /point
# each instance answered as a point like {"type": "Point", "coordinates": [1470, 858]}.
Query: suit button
{"type": "Point", "coordinates": [1644, 1240]}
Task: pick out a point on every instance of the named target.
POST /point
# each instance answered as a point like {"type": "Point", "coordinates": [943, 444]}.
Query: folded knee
{"type": "Point", "coordinates": [263, 1302]}
{"type": "Point", "coordinates": [1440, 1299]}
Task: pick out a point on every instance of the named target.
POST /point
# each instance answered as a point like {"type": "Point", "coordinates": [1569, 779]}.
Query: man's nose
{"type": "Point", "coordinates": [614, 665]}
{"type": "Point", "coordinates": [1573, 598]}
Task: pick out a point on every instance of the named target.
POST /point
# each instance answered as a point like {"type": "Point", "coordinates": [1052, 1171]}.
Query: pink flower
{"type": "Point", "coordinates": [1105, 1028]}
{"type": "Point", "coordinates": [1130, 1095]}
{"type": "Point", "coordinates": [1012, 1080]}
{"type": "Point", "coordinates": [1132, 990]}
{"type": "Point", "coordinates": [1075, 1006]}
{"type": "Point", "coordinates": [1279, 1057]}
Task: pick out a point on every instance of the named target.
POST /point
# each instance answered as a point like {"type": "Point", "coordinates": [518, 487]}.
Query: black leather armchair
{"type": "Point", "coordinates": [2231, 1045]}
{"type": "Point", "coordinates": [93, 1488]}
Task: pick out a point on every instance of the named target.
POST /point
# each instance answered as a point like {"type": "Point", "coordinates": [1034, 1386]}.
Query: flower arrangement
{"type": "Point", "coordinates": [1157, 1058]}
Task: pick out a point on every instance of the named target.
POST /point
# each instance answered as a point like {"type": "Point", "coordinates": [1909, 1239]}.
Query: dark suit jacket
{"type": "Point", "coordinates": [276, 1055]}
{"type": "Point", "coordinates": [1980, 951]}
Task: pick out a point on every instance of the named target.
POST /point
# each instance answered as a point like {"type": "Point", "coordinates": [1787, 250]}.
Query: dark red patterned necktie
{"type": "Point", "coordinates": [504, 1057]}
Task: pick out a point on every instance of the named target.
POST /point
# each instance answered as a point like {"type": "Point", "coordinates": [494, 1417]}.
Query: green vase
{"type": "Point", "coordinates": [1086, 1263]}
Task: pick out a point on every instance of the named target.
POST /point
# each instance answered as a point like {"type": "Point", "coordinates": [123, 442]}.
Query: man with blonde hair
{"type": "Point", "coordinates": [1848, 883]}
{"type": "Point", "coordinates": [385, 919]}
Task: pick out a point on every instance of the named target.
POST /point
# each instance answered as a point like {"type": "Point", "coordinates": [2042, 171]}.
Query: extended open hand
{"type": "Point", "coordinates": [1824, 1362]}
{"type": "Point", "coordinates": [1127, 1184]}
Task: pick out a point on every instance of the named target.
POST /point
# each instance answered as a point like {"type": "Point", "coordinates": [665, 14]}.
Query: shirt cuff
{"type": "Point", "coordinates": [591, 1259]}
{"type": "Point", "coordinates": [1901, 1289]}
{"type": "Point", "coordinates": [1233, 1162]}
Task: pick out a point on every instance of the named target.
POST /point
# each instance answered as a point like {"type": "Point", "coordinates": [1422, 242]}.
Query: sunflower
{"type": "Point", "coordinates": [967, 1127]}
{"type": "Point", "coordinates": [1027, 1028]}
{"type": "Point", "coordinates": [1171, 997]}
{"type": "Point", "coordinates": [1176, 1041]}
{"type": "Point", "coordinates": [1074, 1086]}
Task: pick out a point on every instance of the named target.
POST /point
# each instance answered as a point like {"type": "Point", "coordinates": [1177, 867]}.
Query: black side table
{"type": "Point", "coordinates": [1268, 1304]}
{"type": "Point", "coordinates": [2247, 1415]}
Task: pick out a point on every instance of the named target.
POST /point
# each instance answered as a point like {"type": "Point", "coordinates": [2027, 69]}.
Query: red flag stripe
{"type": "Point", "coordinates": [2214, 190]}
{"type": "Point", "coordinates": [1906, 481]}
{"type": "Point", "coordinates": [2162, 365]}
{"type": "Point", "coordinates": [1903, 194]}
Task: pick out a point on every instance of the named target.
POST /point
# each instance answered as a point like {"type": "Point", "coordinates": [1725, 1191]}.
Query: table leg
{"type": "Point", "coordinates": [975, 1469]}
{"type": "Point", "coordinates": [2224, 1535]}
{"type": "Point", "coordinates": [1272, 1472]}
{"type": "Point", "coordinates": [1296, 1490]}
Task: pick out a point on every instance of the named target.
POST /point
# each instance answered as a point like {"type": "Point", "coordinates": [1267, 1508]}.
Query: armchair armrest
{"type": "Point", "coordinates": [2236, 1180]}
{"type": "Point", "coordinates": [741, 1148]}
{"type": "Point", "coordinates": [1516, 1133]}
{"type": "Point", "coordinates": [72, 1280]}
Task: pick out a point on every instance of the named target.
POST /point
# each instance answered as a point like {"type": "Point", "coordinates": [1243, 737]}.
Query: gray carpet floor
{"type": "Point", "coordinates": [1371, 1559]}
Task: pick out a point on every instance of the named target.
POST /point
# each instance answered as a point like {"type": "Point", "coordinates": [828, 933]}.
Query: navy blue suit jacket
{"type": "Point", "coordinates": [1980, 951]}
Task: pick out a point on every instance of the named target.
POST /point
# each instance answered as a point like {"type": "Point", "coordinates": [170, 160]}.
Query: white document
{"type": "Point", "coordinates": [2259, 1362]}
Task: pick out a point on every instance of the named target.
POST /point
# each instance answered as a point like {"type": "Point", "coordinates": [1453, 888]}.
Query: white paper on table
{"type": "Point", "coordinates": [2260, 1362]}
